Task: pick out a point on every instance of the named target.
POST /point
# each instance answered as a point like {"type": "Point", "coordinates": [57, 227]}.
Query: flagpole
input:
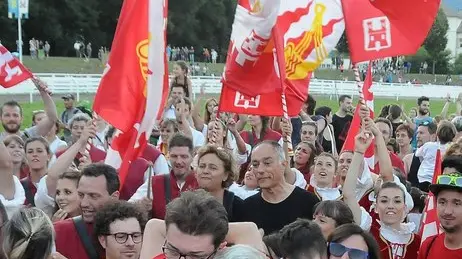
{"type": "Point", "coordinates": [358, 83]}
{"type": "Point", "coordinates": [19, 33]}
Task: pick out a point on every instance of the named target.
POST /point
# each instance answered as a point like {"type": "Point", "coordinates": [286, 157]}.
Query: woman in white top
{"type": "Point", "coordinates": [12, 193]}
{"type": "Point", "coordinates": [323, 178]}
{"type": "Point", "coordinates": [249, 186]}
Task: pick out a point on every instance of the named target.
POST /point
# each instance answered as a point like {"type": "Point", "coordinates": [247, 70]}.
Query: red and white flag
{"type": "Point", "coordinates": [304, 33]}
{"type": "Point", "coordinates": [12, 72]}
{"type": "Point", "coordinates": [355, 125]}
{"type": "Point", "coordinates": [430, 225]}
{"type": "Point", "coordinates": [386, 28]}
{"type": "Point", "coordinates": [135, 83]}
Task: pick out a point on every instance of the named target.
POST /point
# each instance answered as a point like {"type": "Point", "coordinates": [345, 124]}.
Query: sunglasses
{"type": "Point", "coordinates": [339, 250]}
{"type": "Point", "coordinates": [454, 180]}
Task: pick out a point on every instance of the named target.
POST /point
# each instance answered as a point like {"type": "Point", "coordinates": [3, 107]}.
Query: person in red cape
{"type": "Point", "coordinates": [448, 193]}
{"type": "Point", "coordinates": [165, 188]}
{"type": "Point", "coordinates": [98, 185]}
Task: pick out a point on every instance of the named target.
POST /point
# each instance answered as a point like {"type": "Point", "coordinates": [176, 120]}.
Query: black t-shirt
{"type": "Point", "coordinates": [273, 217]}
{"type": "Point", "coordinates": [341, 126]}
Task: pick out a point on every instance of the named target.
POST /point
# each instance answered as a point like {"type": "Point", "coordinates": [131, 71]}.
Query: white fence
{"type": "Point", "coordinates": [88, 84]}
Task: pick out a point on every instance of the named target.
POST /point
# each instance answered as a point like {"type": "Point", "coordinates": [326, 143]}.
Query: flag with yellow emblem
{"type": "Point", "coordinates": [260, 68]}
{"type": "Point", "coordinates": [134, 86]}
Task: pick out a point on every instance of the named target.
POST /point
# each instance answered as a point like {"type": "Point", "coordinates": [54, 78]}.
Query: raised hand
{"type": "Point", "coordinates": [286, 127]}
{"type": "Point", "coordinates": [362, 141]}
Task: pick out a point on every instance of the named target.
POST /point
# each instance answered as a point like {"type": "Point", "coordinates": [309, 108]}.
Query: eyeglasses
{"type": "Point", "coordinates": [174, 254]}
{"type": "Point", "coordinates": [121, 237]}
{"type": "Point", "coordinates": [448, 179]}
{"type": "Point", "coordinates": [339, 250]}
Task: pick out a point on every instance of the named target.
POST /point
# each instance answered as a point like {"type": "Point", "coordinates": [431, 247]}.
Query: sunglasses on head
{"type": "Point", "coordinates": [455, 180]}
{"type": "Point", "coordinates": [425, 123]}
{"type": "Point", "coordinates": [339, 250]}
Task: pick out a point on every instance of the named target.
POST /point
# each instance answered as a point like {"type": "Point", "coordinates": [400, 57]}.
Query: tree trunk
{"type": "Point", "coordinates": [434, 65]}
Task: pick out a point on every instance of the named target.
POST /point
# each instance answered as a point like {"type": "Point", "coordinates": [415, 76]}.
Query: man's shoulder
{"type": "Point", "coordinates": [299, 193]}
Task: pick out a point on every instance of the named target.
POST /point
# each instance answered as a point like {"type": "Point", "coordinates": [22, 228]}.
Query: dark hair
{"type": "Point", "coordinates": [186, 101]}
{"type": "Point", "coordinates": [393, 144]}
{"type": "Point", "coordinates": [323, 111]}
{"type": "Point", "coordinates": [422, 99]}
{"type": "Point", "coordinates": [419, 198]}
{"type": "Point", "coordinates": [342, 98]}
{"type": "Point", "coordinates": [432, 127]}
{"type": "Point", "coordinates": [229, 164]}
{"type": "Point", "coordinates": [184, 87]}
{"type": "Point", "coordinates": [110, 133]}
{"type": "Point", "coordinates": [392, 185]}
{"type": "Point", "coordinates": [384, 111]}
{"type": "Point", "coordinates": [109, 173]}
{"type": "Point", "coordinates": [116, 210]}
{"type": "Point", "coordinates": [180, 140]}
{"type": "Point", "coordinates": [336, 210]}
{"type": "Point", "coordinates": [185, 68]}
{"type": "Point", "coordinates": [452, 162]}
{"type": "Point", "coordinates": [11, 103]}
{"type": "Point", "coordinates": [394, 112]}
{"type": "Point", "coordinates": [3, 213]}
{"type": "Point", "coordinates": [272, 241]}
{"type": "Point", "coordinates": [198, 213]}
{"type": "Point", "coordinates": [311, 103]}
{"type": "Point", "coordinates": [407, 128]}
{"type": "Point", "coordinates": [39, 139]}
{"type": "Point", "coordinates": [71, 175]}
{"type": "Point", "coordinates": [343, 232]}
{"type": "Point", "coordinates": [312, 155]}
{"type": "Point", "coordinates": [386, 121]}
{"type": "Point", "coordinates": [302, 237]}
{"type": "Point", "coordinates": [446, 132]}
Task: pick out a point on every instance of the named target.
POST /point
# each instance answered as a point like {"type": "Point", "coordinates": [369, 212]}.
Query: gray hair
{"type": "Point", "coordinates": [240, 252]}
{"type": "Point", "coordinates": [28, 234]}
{"type": "Point", "coordinates": [277, 148]}
{"type": "Point", "coordinates": [78, 117]}
{"type": "Point", "coordinates": [457, 121]}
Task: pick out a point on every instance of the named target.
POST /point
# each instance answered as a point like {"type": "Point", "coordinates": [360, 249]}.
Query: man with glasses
{"type": "Point", "coordinates": [119, 227]}
{"type": "Point", "coordinates": [448, 193]}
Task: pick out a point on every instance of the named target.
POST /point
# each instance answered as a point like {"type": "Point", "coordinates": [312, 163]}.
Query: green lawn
{"type": "Point", "coordinates": [436, 106]}
{"type": "Point", "coordinates": [94, 66]}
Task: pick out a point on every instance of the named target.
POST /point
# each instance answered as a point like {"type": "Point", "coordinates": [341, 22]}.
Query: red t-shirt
{"type": "Point", "coordinates": [68, 241]}
{"type": "Point", "coordinates": [395, 162]}
{"type": "Point", "coordinates": [438, 250]}
{"type": "Point", "coordinates": [161, 256]}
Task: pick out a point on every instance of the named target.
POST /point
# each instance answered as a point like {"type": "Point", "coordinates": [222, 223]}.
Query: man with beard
{"type": "Point", "coordinates": [11, 116]}
{"type": "Point", "coordinates": [448, 193]}
{"type": "Point", "coordinates": [342, 119]}
{"type": "Point", "coordinates": [426, 132]}
{"type": "Point", "coordinates": [166, 187]}
{"type": "Point", "coordinates": [423, 115]}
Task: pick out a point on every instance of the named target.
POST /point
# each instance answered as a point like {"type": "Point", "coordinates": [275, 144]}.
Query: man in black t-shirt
{"type": "Point", "coordinates": [279, 203]}
{"type": "Point", "coordinates": [341, 120]}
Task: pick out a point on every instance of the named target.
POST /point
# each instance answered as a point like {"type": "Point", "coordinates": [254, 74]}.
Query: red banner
{"type": "Point", "coordinates": [387, 28]}
{"type": "Point", "coordinates": [12, 72]}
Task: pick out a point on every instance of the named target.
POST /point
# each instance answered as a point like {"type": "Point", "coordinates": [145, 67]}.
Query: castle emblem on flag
{"type": "Point", "coordinates": [377, 33]}
{"type": "Point", "coordinates": [251, 48]}
{"type": "Point", "coordinates": [246, 102]}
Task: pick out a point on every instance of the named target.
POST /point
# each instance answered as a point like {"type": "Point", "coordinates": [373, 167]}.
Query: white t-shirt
{"type": "Point", "coordinates": [11, 206]}
{"type": "Point", "coordinates": [427, 155]}
{"type": "Point", "coordinates": [57, 143]}
{"type": "Point", "coordinates": [242, 191]}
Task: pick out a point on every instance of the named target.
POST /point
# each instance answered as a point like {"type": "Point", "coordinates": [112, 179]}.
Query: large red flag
{"type": "Point", "coordinates": [12, 72]}
{"type": "Point", "coordinates": [356, 122]}
{"type": "Point", "coordinates": [430, 225]}
{"type": "Point", "coordinates": [386, 28]}
{"type": "Point", "coordinates": [135, 84]}
{"type": "Point", "coordinates": [306, 31]}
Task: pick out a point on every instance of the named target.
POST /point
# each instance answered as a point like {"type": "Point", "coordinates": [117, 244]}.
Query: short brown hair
{"type": "Point", "coordinates": [71, 175]}
{"type": "Point", "coordinates": [446, 132]}
{"type": "Point", "coordinates": [331, 156]}
{"type": "Point", "coordinates": [407, 128]}
{"type": "Point", "coordinates": [385, 121]}
{"type": "Point", "coordinates": [8, 139]}
{"type": "Point", "coordinates": [186, 101]}
{"type": "Point", "coordinates": [227, 159]}
{"type": "Point", "coordinates": [198, 213]}
{"type": "Point", "coordinates": [180, 140]}
{"type": "Point", "coordinates": [39, 139]}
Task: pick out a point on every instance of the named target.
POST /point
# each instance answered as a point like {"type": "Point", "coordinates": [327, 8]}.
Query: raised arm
{"type": "Point", "coordinates": [444, 111]}
{"type": "Point", "coordinates": [381, 151]}
{"type": "Point", "coordinates": [362, 142]}
{"type": "Point", "coordinates": [241, 122]}
{"type": "Point", "coordinates": [44, 126]}
{"type": "Point", "coordinates": [242, 149]}
{"type": "Point", "coordinates": [195, 114]}
{"type": "Point", "coordinates": [184, 123]}
{"type": "Point", "coordinates": [64, 161]}
{"type": "Point", "coordinates": [6, 165]}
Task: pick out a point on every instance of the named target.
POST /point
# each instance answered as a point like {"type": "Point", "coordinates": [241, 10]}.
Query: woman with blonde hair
{"type": "Point", "coordinates": [28, 234]}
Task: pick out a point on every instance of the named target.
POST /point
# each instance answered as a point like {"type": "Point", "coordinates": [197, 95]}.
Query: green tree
{"type": "Point", "coordinates": [458, 65]}
{"type": "Point", "coordinates": [342, 45]}
{"type": "Point", "coordinates": [436, 41]}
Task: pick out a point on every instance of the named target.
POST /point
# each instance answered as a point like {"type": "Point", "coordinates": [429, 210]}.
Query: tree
{"type": "Point", "coordinates": [436, 41]}
{"type": "Point", "coordinates": [458, 65]}
{"type": "Point", "coordinates": [342, 45]}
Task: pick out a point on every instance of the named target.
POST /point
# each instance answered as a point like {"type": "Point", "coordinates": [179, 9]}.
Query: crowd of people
{"type": "Point", "coordinates": [221, 185]}
{"type": "Point", "coordinates": [189, 54]}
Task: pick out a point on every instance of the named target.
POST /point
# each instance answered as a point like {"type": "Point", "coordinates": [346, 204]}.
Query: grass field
{"type": "Point", "coordinates": [94, 66]}
{"type": "Point", "coordinates": [436, 107]}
